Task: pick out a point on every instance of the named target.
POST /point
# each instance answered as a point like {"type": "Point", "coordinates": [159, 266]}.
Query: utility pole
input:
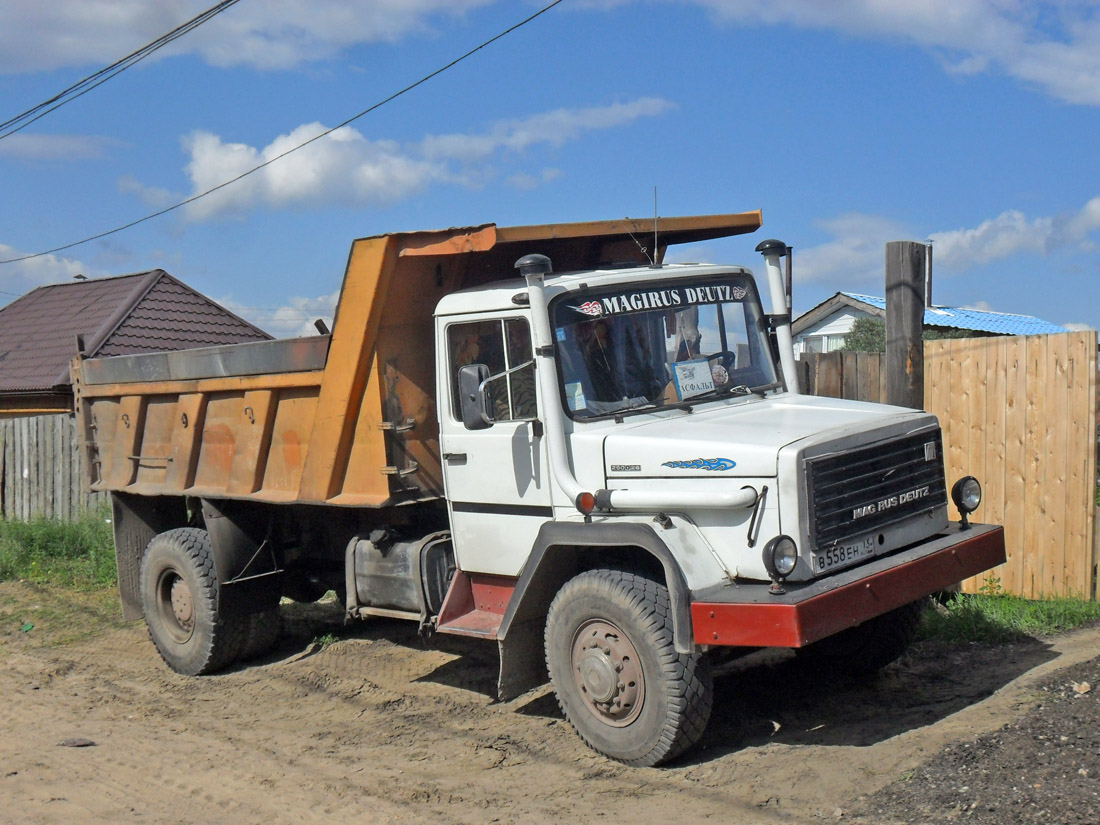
{"type": "Point", "coordinates": [905, 296]}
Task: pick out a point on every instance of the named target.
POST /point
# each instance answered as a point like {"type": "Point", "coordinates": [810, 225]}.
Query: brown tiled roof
{"type": "Point", "coordinates": [144, 312]}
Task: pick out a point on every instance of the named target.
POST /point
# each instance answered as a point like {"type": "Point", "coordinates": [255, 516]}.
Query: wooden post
{"type": "Point", "coordinates": [905, 267]}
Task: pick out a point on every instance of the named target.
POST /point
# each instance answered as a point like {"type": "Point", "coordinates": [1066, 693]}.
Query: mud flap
{"type": "Point", "coordinates": [522, 664]}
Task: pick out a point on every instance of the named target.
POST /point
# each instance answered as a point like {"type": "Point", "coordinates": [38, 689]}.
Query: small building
{"type": "Point", "coordinates": [125, 315]}
{"type": "Point", "coordinates": [41, 460]}
{"type": "Point", "coordinates": [822, 328]}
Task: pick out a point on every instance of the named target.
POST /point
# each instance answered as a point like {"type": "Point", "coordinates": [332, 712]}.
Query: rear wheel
{"type": "Point", "coordinates": [615, 670]}
{"type": "Point", "coordinates": [180, 601]}
{"type": "Point", "coordinates": [871, 646]}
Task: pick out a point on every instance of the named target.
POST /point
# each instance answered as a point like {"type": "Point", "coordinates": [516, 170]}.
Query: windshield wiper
{"type": "Point", "coordinates": [762, 390]}
{"type": "Point", "coordinates": [736, 389]}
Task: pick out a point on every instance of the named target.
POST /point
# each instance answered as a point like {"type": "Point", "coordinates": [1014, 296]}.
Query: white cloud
{"type": "Point", "coordinates": [1007, 234]}
{"type": "Point", "coordinates": [1053, 45]}
{"type": "Point", "coordinates": [1079, 327]}
{"type": "Point", "coordinates": [295, 319]}
{"type": "Point", "coordinates": [856, 253]}
{"type": "Point", "coordinates": [151, 196]}
{"type": "Point", "coordinates": [32, 146]}
{"type": "Point", "coordinates": [346, 168]}
{"type": "Point", "coordinates": [275, 34]}
{"type": "Point", "coordinates": [554, 128]}
{"type": "Point", "coordinates": [24, 276]}
{"type": "Point", "coordinates": [343, 168]}
{"type": "Point", "coordinates": [1012, 233]}
{"type": "Point", "coordinates": [525, 181]}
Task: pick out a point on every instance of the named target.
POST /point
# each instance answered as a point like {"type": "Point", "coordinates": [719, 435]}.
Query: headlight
{"type": "Point", "coordinates": [780, 557]}
{"type": "Point", "coordinates": [967, 495]}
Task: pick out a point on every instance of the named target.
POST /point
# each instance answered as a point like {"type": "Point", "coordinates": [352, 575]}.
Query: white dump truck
{"type": "Point", "coordinates": [601, 462]}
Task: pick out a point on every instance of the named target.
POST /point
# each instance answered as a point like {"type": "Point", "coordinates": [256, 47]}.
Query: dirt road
{"type": "Point", "coordinates": [377, 728]}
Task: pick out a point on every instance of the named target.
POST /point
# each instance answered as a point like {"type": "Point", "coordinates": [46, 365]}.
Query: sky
{"type": "Point", "coordinates": [970, 124]}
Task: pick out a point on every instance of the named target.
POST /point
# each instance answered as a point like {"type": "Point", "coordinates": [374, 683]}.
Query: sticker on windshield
{"type": "Point", "coordinates": [661, 299]}
{"type": "Point", "coordinates": [692, 378]}
{"type": "Point", "coordinates": [593, 308]}
{"type": "Point", "coordinates": [574, 396]}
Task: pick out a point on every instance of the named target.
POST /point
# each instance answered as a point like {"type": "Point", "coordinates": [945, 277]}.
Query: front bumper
{"type": "Point", "coordinates": [747, 615]}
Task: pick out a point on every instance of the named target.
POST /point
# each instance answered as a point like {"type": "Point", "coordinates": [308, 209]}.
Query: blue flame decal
{"type": "Point", "coordinates": [710, 464]}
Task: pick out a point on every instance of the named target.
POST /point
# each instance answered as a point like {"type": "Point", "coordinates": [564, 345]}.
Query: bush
{"type": "Point", "coordinates": [998, 617]}
{"type": "Point", "coordinates": [866, 335]}
{"type": "Point", "coordinates": [77, 554]}
{"type": "Point", "coordinates": [869, 335]}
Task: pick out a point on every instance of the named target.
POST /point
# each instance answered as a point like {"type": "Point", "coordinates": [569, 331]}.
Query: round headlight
{"type": "Point", "coordinates": [780, 557]}
{"type": "Point", "coordinates": [967, 494]}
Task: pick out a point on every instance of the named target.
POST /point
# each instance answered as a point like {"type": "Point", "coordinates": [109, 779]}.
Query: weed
{"type": "Point", "coordinates": [324, 641]}
{"type": "Point", "coordinates": [78, 554]}
{"type": "Point", "coordinates": [994, 616]}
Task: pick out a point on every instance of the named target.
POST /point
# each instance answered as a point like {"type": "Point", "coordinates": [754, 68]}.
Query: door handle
{"type": "Point", "coordinates": [454, 456]}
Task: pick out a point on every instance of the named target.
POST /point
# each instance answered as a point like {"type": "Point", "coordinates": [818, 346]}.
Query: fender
{"type": "Point", "coordinates": [246, 562]}
{"type": "Point", "coordinates": [555, 558]}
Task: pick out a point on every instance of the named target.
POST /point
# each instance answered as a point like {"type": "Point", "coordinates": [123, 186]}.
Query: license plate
{"type": "Point", "coordinates": [844, 555]}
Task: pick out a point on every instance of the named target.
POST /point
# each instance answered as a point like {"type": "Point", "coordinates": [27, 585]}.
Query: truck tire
{"type": "Point", "coordinates": [264, 628]}
{"type": "Point", "coordinates": [179, 598]}
{"type": "Point", "coordinates": [618, 678]}
{"type": "Point", "coordinates": [871, 646]}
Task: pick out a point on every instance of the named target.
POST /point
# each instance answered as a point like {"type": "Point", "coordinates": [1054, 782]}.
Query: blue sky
{"type": "Point", "coordinates": [849, 123]}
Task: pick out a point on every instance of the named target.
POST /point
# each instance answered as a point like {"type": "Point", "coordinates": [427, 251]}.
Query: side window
{"type": "Point", "coordinates": [520, 359]}
{"type": "Point", "coordinates": [504, 346]}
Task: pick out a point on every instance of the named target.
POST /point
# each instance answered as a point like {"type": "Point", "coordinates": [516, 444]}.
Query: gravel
{"type": "Point", "coordinates": [1042, 768]}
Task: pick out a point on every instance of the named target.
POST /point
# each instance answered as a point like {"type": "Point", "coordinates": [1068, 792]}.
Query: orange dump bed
{"type": "Point", "coordinates": [346, 419]}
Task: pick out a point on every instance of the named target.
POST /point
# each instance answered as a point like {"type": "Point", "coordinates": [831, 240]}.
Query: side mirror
{"type": "Point", "coordinates": [470, 379]}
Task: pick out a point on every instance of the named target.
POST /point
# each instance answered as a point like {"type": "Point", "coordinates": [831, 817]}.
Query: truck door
{"type": "Point", "coordinates": [497, 478]}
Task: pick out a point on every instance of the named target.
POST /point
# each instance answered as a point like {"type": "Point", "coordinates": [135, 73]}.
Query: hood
{"type": "Point", "coordinates": [739, 438]}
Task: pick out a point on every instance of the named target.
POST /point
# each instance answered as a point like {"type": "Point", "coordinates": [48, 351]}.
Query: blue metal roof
{"type": "Point", "coordinates": [1001, 323]}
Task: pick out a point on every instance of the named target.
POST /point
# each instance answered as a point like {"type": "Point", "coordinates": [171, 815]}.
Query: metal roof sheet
{"type": "Point", "coordinates": [143, 312]}
{"type": "Point", "coordinates": [1000, 323]}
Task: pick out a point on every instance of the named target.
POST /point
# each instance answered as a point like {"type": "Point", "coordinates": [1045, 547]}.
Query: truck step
{"type": "Point", "coordinates": [475, 605]}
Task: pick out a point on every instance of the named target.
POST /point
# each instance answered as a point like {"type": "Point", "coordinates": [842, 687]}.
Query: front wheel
{"type": "Point", "coordinates": [616, 673]}
{"type": "Point", "coordinates": [179, 597]}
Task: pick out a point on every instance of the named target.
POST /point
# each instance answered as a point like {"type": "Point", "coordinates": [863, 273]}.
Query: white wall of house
{"type": "Point", "coordinates": [828, 333]}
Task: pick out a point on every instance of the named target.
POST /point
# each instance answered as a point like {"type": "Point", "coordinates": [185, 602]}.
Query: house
{"type": "Point", "coordinates": [41, 455]}
{"type": "Point", "coordinates": [129, 314]}
{"type": "Point", "coordinates": [822, 328]}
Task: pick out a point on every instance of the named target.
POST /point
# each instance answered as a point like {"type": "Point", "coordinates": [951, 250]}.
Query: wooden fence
{"type": "Point", "coordinates": [1020, 413]}
{"type": "Point", "coordinates": [42, 469]}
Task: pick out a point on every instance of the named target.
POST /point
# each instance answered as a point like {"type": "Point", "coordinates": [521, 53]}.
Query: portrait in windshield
{"type": "Point", "coordinates": [662, 346]}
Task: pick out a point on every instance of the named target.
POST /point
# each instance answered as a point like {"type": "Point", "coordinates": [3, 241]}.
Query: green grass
{"type": "Point", "coordinates": [997, 617]}
{"type": "Point", "coordinates": [78, 555]}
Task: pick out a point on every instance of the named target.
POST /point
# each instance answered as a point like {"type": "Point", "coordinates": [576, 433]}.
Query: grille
{"type": "Point", "coordinates": [869, 488]}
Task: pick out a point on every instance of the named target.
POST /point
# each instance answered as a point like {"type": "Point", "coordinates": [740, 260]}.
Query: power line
{"type": "Point", "coordinates": [279, 157]}
{"type": "Point", "coordinates": [82, 87]}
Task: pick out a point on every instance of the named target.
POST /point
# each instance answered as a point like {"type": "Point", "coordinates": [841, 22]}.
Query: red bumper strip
{"type": "Point", "coordinates": [795, 622]}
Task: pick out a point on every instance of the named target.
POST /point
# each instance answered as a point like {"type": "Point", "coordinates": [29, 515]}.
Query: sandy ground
{"type": "Point", "coordinates": [377, 727]}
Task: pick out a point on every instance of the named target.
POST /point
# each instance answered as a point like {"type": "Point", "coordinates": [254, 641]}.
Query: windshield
{"type": "Point", "coordinates": [662, 346]}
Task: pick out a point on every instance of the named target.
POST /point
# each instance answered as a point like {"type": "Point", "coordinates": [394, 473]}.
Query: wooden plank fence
{"type": "Point", "coordinates": [1020, 414]}
{"type": "Point", "coordinates": [42, 469]}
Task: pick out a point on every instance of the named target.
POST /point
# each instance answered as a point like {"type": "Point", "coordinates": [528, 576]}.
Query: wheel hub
{"type": "Point", "coordinates": [608, 672]}
{"type": "Point", "coordinates": [183, 604]}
